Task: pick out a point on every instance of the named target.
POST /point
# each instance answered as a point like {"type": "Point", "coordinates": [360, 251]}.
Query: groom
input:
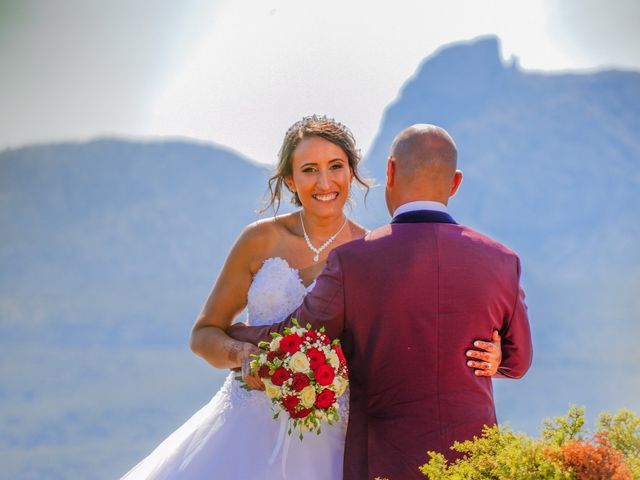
{"type": "Point", "coordinates": [405, 301]}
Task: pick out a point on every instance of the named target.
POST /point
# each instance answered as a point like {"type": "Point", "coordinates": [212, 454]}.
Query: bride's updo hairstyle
{"type": "Point", "coordinates": [312, 126]}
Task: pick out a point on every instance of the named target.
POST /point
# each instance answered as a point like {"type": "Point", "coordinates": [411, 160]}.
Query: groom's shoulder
{"type": "Point", "coordinates": [369, 241]}
{"type": "Point", "coordinates": [481, 240]}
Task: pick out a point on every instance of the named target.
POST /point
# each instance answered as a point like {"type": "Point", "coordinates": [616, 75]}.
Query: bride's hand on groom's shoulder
{"type": "Point", "coordinates": [485, 359]}
{"type": "Point", "coordinates": [253, 380]}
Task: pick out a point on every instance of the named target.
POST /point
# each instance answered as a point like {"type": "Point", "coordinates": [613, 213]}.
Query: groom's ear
{"type": "Point", "coordinates": [391, 171]}
{"type": "Point", "coordinates": [457, 180]}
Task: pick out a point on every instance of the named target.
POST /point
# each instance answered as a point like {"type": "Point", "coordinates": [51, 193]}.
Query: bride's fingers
{"type": "Point", "coordinates": [480, 355]}
{"type": "Point", "coordinates": [250, 381]}
{"type": "Point", "coordinates": [479, 365]}
{"type": "Point", "coordinates": [489, 347]}
{"type": "Point", "coordinates": [247, 377]}
{"type": "Point", "coordinates": [254, 382]}
{"type": "Point", "coordinates": [260, 384]}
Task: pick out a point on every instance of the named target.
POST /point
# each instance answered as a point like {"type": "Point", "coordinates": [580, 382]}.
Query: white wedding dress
{"type": "Point", "coordinates": [235, 436]}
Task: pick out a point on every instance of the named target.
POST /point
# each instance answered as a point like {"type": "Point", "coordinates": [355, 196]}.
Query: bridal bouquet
{"type": "Point", "coordinates": [304, 373]}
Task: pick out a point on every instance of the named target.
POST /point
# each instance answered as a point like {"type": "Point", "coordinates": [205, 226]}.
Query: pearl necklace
{"type": "Point", "coordinates": [315, 250]}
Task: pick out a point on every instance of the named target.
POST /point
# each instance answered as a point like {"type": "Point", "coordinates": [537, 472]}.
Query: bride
{"type": "Point", "coordinates": [269, 270]}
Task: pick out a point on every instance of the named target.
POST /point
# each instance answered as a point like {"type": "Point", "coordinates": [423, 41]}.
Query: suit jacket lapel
{"type": "Point", "coordinates": [424, 216]}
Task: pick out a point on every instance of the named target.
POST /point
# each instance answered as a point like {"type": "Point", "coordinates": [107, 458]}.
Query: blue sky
{"type": "Point", "coordinates": [239, 73]}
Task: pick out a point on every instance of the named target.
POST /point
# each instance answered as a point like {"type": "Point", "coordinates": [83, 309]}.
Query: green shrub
{"type": "Point", "coordinates": [623, 432]}
{"type": "Point", "coordinates": [563, 451]}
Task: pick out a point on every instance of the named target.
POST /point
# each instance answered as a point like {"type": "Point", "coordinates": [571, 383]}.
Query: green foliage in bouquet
{"type": "Point", "coordinates": [563, 451]}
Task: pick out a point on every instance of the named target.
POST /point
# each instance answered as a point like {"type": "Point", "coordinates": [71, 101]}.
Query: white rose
{"type": "Point", "coordinates": [340, 384]}
{"type": "Point", "coordinates": [307, 397]}
{"type": "Point", "coordinates": [299, 362]}
{"type": "Point", "coordinates": [275, 344]}
{"type": "Point", "coordinates": [333, 359]}
{"type": "Point", "coordinates": [271, 390]}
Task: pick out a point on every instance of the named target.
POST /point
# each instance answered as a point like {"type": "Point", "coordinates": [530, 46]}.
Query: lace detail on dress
{"type": "Point", "coordinates": [276, 291]}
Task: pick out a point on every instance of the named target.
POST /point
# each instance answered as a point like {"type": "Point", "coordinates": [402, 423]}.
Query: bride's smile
{"type": "Point", "coordinates": [326, 197]}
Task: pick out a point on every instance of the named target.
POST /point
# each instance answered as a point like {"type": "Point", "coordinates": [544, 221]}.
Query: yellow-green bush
{"type": "Point", "coordinates": [563, 451]}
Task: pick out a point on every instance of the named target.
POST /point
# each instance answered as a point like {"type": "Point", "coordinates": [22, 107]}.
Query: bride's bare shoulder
{"type": "Point", "coordinates": [274, 227]}
{"type": "Point", "coordinates": [263, 235]}
{"type": "Point", "coordinates": [357, 230]}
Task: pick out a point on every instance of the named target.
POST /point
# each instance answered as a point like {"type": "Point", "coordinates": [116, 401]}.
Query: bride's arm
{"type": "Point", "coordinates": [226, 300]}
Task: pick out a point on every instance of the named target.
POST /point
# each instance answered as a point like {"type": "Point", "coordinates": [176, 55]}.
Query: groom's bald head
{"type": "Point", "coordinates": [422, 166]}
{"type": "Point", "coordinates": [423, 151]}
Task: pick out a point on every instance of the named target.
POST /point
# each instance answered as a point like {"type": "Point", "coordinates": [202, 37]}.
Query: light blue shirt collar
{"type": "Point", "coordinates": [421, 205]}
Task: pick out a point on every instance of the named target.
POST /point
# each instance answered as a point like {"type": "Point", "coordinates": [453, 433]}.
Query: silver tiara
{"type": "Point", "coordinates": [318, 118]}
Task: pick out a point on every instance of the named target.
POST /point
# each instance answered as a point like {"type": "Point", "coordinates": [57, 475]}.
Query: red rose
{"type": "Point", "coordinates": [290, 401]}
{"type": "Point", "coordinates": [299, 381]}
{"type": "Point", "coordinates": [300, 413]}
{"type": "Point", "coordinates": [325, 399]}
{"type": "Point", "coordinates": [316, 358]}
{"type": "Point", "coordinates": [263, 371]}
{"type": "Point", "coordinates": [340, 354]}
{"type": "Point", "coordinates": [280, 376]}
{"type": "Point", "coordinates": [290, 343]}
{"type": "Point", "coordinates": [324, 339]}
{"type": "Point", "coordinates": [311, 335]}
{"type": "Point", "coordinates": [324, 374]}
{"type": "Point", "coordinates": [273, 355]}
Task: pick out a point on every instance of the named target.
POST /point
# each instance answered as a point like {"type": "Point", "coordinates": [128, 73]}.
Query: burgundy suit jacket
{"type": "Point", "coordinates": [407, 301]}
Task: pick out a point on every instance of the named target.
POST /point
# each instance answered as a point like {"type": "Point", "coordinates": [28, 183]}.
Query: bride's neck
{"type": "Point", "coordinates": [321, 227]}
